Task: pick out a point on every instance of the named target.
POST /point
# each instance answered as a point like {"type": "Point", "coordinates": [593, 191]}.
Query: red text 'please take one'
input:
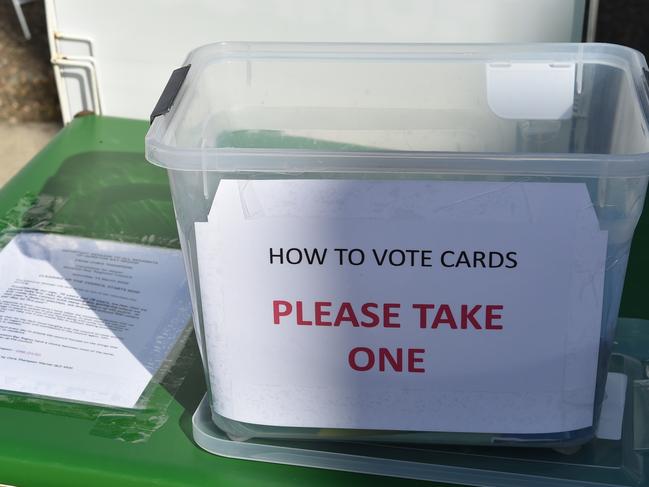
{"type": "Point", "coordinates": [387, 315]}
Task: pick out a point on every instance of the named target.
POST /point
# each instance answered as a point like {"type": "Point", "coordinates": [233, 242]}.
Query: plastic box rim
{"type": "Point", "coordinates": [286, 161]}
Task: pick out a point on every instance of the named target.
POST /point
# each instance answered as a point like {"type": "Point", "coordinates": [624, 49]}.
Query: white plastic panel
{"type": "Point", "coordinates": [137, 44]}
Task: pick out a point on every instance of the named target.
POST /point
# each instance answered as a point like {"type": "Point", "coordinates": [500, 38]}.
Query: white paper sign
{"type": "Point", "coordinates": [414, 305]}
{"type": "Point", "coordinates": [87, 320]}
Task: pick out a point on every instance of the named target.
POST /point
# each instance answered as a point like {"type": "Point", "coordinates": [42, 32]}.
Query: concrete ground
{"type": "Point", "coordinates": [29, 113]}
{"type": "Point", "coordinates": [19, 142]}
{"type": "Point", "coordinates": [27, 90]}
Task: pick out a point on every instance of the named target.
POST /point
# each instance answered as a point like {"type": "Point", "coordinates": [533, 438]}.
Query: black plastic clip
{"type": "Point", "coordinates": [168, 95]}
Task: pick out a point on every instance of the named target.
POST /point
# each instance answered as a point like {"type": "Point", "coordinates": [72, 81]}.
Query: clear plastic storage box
{"type": "Point", "coordinates": [559, 124]}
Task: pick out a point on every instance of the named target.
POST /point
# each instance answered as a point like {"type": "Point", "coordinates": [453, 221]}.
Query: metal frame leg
{"type": "Point", "coordinates": [21, 18]}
